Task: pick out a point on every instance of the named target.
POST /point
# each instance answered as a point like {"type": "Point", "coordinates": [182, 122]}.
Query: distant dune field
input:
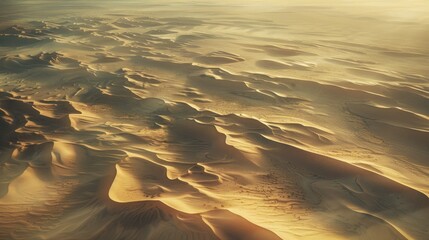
{"type": "Point", "coordinates": [252, 120]}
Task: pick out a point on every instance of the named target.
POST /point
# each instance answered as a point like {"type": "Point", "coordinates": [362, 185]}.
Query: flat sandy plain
{"type": "Point", "coordinates": [214, 120]}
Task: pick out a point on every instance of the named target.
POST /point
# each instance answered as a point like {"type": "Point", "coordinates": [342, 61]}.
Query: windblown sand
{"type": "Point", "coordinates": [214, 120]}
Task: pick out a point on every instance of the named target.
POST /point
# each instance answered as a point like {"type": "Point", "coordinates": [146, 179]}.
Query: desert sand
{"type": "Point", "coordinates": [214, 120]}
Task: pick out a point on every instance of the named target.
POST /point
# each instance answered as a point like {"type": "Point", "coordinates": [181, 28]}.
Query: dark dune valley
{"type": "Point", "coordinates": [254, 120]}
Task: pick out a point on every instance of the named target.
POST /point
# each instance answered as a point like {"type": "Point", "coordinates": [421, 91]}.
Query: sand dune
{"type": "Point", "coordinates": [239, 120]}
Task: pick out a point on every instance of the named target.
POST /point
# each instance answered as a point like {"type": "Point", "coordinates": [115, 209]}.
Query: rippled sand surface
{"type": "Point", "coordinates": [214, 120]}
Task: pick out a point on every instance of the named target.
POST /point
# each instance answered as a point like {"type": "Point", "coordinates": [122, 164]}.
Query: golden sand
{"type": "Point", "coordinates": [214, 120]}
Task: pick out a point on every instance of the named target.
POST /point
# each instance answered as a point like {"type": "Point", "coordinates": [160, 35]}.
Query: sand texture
{"type": "Point", "coordinates": [232, 120]}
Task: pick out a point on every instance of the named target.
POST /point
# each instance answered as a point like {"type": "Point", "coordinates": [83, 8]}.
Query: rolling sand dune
{"type": "Point", "coordinates": [214, 120]}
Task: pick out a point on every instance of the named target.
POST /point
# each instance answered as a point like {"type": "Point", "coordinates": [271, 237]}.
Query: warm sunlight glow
{"type": "Point", "coordinates": [241, 119]}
